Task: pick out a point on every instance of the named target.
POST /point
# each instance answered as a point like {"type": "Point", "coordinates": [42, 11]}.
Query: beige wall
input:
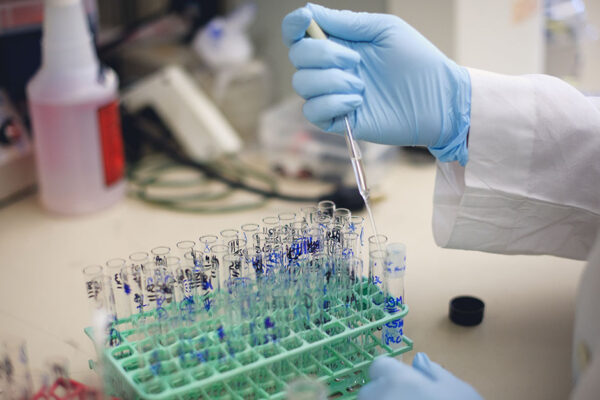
{"type": "Point", "coordinates": [504, 36]}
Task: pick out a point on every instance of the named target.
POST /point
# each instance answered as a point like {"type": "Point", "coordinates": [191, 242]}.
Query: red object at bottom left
{"type": "Point", "coordinates": [68, 389]}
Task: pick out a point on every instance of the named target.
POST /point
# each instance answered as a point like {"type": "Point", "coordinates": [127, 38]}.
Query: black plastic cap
{"type": "Point", "coordinates": [466, 310]}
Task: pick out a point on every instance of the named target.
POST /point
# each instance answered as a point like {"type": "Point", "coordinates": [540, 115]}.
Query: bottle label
{"type": "Point", "coordinates": [112, 142]}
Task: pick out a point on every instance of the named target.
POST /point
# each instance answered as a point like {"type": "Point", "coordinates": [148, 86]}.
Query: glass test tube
{"type": "Point", "coordinates": [341, 217]}
{"type": "Point", "coordinates": [184, 247]}
{"type": "Point", "coordinates": [231, 297]}
{"type": "Point", "coordinates": [114, 268]}
{"type": "Point", "coordinates": [271, 228]}
{"type": "Point", "coordinates": [205, 243]}
{"type": "Point", "coordinates": [248, 231]}
{"type": "Point", "coordinates": [314, 241]}
{"type": "Point", "coordinates": [160, 254]}
{"type": "Point", "coordinates": [326, 207]}
{"type": "Point", "coordinates": [158, 289]}
{"type": "Point", "coordinates": [350, 244]}
{"type": "Point", "coordinates": [15, 375]}
{"type": "Point", "coordinates": [285, 222]}
{"type": "Point", "coordinates": [356, 266]}
{"type": "Point", "coordinates": [217, 252]}
{"type": "Point", "coordinates": [356, 225]}
{"type": "Point", "coordinates": [376, 271]}
{"type": "Point", "coordinates": [395, 268]}
{"type": "Point", "coordinates": [307, 214]}
{"type": "Point", "coordinates": [93, 276]}
{"type": "Point", "coordinates": [188, 281]}
{"type": "Point", "coordinates": [228, 235]}
{"type": "Point", "coordinates": [376, 241]}
{"type": "Point", "coordinates": [133, 284]}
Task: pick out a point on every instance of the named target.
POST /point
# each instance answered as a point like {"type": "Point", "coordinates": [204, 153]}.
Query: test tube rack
{"type": "Point", "coordinates": [336, 347]}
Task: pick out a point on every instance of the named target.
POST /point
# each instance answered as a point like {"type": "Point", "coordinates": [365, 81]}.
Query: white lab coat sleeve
{"type": "Point", "coordinates": [532, 182]}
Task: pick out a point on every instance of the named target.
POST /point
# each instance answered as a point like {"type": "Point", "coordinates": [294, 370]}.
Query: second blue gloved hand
{"type": "Point", "coordinates": [395, 86]}
{"type": "Point", "coordinates": [425, 380]}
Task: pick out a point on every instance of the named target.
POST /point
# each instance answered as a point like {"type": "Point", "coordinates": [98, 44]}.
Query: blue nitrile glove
{"type": "Point", "coordinates": [425, 380]}
{"type": "Point", "coordinates": [395, 86]}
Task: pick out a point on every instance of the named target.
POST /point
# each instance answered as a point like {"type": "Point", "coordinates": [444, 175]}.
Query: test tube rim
{"type": "Point", "coordinates": [289, 216]}
{"type": "Point", "coordinates": [181, 242]}
{"type": "Point", "coordinates": [88, 270]}
{"type": "Point", "coordinates": [220, 246]}
{"type": "Point", "coordinates": [143, 256]}
{"type": "Point", "coordinates": [358, 218]}
{"type": "Point", "coordinates": [160, 250]}
{"type": "Point", "coordinates": [229, 230]}
{"type": "Point", "coordinates": [326, 202]}
{"type": "Point", "coordinates": [121, 261]}
{"type": "Point", "coordinates": [250, 224]}
{"type": "Point", "coordinates": [270, 220]}
{"type": "Point", "coordinates": [203, 238]}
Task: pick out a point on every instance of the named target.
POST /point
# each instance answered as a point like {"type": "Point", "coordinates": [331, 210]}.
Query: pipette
{"type": "Point", "coordinates": [315, 32]}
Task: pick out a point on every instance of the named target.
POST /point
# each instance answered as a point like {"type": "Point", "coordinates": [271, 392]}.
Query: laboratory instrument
{"type": "Point", "coordinates": [315, 32]}
{"type": "Point", "coordinates": [190, 115]}
{"type": "Point", "coordinates": [245, 312]}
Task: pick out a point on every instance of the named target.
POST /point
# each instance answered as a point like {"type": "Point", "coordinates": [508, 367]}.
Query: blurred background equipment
{"type": "Point", "coordinates": [237, 76]}
{"type": "Point", "coordinates": [73, 103]}
{"type": "Point", "coordinates": [20, 38]}
{"type": "Point", "coordinates": [230, 60]}
{"type": "Point", "coordinates": [569, 35]}
{"type": "Point", "coordinates": [16, 151]}
{"type": "Point", "coordinates": [192, 118]}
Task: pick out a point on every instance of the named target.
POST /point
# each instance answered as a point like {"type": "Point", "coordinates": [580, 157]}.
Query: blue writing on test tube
{"type": "Point", "coordinates": [395, 267]}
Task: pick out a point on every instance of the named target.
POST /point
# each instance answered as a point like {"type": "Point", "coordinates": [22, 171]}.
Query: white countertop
{"type": "Point", "coordinates": [520, 351]}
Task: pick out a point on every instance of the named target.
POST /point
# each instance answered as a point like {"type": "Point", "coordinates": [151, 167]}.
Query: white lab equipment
{"type": "Point", "coordinates": [235, 76]}
{"type": "Point", "coordinates": [73, 103]}
{"type": "Point", "coordinates": [193, 119]}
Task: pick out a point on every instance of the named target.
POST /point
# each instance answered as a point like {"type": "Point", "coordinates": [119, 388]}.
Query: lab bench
{"type": "Point", "coordinates": [521, 350]}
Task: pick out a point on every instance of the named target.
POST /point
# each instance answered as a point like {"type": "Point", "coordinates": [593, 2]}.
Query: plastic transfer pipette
{"type": "Point", "coordinates": [315, 32]}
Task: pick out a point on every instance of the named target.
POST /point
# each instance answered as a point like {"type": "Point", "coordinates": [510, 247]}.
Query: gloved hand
{"type": "Point", "coordinates": [425, 380]}
{"type": "Point", "coordinates": [395, 86]}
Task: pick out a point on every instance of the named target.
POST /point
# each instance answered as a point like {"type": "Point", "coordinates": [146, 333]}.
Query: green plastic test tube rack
{"type": "Point", "coordinates": [194, 363]}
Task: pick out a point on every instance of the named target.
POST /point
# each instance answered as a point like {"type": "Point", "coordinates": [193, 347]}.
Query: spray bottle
{"type": "Point", "coordinates": [73, 103]}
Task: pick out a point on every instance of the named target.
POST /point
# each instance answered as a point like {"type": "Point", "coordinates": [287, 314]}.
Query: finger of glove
{"type": "Point", "coordinates": [388, 367]}
{"type": "Point", "coordinates": [315, 53]}
{"type": "Point", "coordinates": [310, 83]}
{"type": "Point", "coordinates": [322, 110]}
{"type": "Point", "coordinates": [374, 390]}
{"type": "Point", "coordinates": [349, 25]}
{"type": "Point", "coordinates": [432, 370]}
{"type": "Point", "coordinates": [294, 25]}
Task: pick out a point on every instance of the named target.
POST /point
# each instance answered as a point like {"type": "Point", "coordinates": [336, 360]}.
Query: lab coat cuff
{"type": "Point", "coordinates": [501, 137]}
